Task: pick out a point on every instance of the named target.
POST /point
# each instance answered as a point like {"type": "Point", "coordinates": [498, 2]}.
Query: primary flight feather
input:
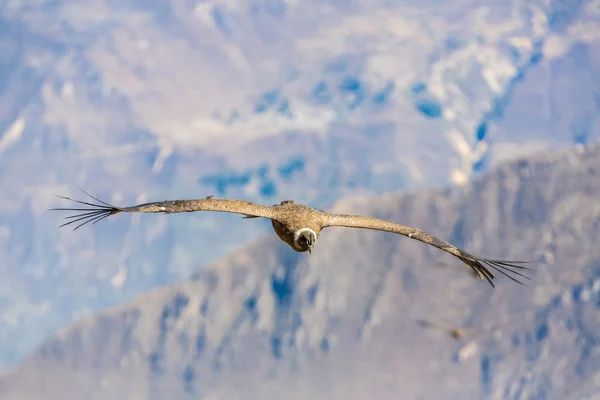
{"type": "Point", "coordinates": [297, 225]}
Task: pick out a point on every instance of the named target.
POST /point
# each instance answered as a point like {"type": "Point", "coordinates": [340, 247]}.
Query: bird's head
{"type": "Point", "coordinates": [305, 239]}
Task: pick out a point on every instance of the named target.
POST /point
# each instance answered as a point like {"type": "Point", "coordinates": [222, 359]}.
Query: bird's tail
{"type": "Point", "coordinates": [94, 213]}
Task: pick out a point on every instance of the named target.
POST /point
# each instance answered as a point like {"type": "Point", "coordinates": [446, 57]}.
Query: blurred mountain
{"type": "Point", "coordinates": [266, 322]}
{"type": "Point", "coordinates": [264, 100]}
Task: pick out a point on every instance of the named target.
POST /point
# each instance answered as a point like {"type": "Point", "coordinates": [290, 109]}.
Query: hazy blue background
{"type": "Point", "coordinates": [263, 100]}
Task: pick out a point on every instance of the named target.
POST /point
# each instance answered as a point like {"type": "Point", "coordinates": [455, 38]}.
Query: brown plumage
{"type": "Point", "coordinates": [297, 225]}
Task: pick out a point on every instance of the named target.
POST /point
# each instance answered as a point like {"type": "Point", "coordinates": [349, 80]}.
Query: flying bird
{"type": "Point", "coordinates": [456, 333]}
{"type": "Point", "coordinates": [297, 225]}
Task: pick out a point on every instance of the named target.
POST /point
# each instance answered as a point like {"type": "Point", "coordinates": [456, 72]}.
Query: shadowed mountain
{"type": "Point", "coordinates": [265, 322]}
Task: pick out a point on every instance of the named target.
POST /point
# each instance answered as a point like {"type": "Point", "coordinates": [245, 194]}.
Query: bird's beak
{"type": "Point", "coordinates": [310, 250]}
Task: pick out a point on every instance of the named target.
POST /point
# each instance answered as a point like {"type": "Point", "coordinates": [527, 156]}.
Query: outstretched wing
{"type": "Point", "coordinates": [96, 212]}
{"type": "Point", "coordinates": [477, 264]}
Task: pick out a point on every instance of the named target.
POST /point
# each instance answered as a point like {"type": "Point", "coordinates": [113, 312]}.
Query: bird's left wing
{"type": "Point", "coordinates": [477, 264]}
{"type": "Point", "coordinates": [96, 212]}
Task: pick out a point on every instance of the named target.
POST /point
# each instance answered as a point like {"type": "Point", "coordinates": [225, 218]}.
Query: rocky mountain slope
{"type": "Point", "coordinates": [266, 322]}
{"type": "Point", "coordinates": [261, 99]}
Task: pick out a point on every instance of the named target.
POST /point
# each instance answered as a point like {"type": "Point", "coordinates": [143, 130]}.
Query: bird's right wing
{"type": "Point", "coordinates": [96, 212]}
{"type": "Point", "coordinates": [477, 264]}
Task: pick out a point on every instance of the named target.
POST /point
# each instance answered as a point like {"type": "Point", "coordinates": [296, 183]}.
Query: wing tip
{"type": "Point", "coordinates": [93, 213]}
{"type": "Point", "coordinates": [481, 267]}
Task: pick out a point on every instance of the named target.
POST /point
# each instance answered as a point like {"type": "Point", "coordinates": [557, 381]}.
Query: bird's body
{"type": "Point", "coordinates": [295, 224]}
{"type": "Point", "coordinates": [295, 221]}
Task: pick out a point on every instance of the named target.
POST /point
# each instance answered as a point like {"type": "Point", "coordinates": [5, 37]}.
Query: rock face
{"type": "Point", "coordinates": [267, 323]}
